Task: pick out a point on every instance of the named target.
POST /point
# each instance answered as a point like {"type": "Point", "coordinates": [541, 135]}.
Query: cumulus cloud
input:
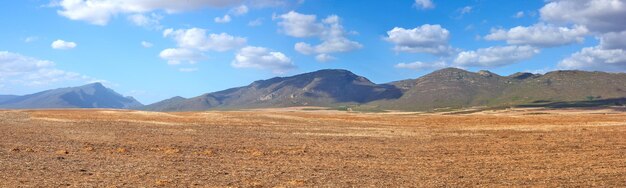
{"type": "Point", "coordinates": [432, 39]}
{"type": "Point", "coordinates": [604, 19]}
{"type": "Point", "coordinates": [329, 31]}
{"type": "Point", "coordinates": [609, 55]}
{"type": "Point", "coordinates": [198, 39]}
{"type": "Point", "coordinates": [540, 35]}
{"type": "Point", "coordinates": [596, 15]}
{"type": "Point", "coordinates": [31, 39]}
{"type": "Point", "coordinates": [100, 12]}
{"type": "Point", "coordinates": [519, 14]}
{"type": "Point", "coordinates": [300, 25]}
{"type": "Point", "coordinates": [63, 45]}
{"type": "Point", "coordinates": [495, 56]}
{"type": "Point", "coordinates": [224, 19]}
{"type": "Point", "coordinates": [262, 58]}
{"type": "Point", "coordinates": [188, 69]}
{"type": "Point", "coordinates": [596, 58]}
{"type": "Point", "coordinates": [192, 43]}
{"type": "Point", "coordinates": [146, 44]}
{"type": "Point", "coordinates": [238, 11]}
{"type": "Point", "coordinates": [23, 70]}
{"type": "Point", "coordinates": [418, 65]}
{"type": "Point", "coordinates": [424, 4]}
{"type": "Point", "coordinates": [466, 10]}
{"type": "Point", "coordinates": [256, 22]}
{"type": "Point", "coordinates": [151, 21]}
{"type": "Point", "coordinates": [175, 56]}
{"type": "Point", "coordinates": [324, 58]}
{"type": "Point", "coordinates": [613, 40]}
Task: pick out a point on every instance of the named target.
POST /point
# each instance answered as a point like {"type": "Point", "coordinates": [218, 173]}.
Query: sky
{"type": "Point", "coordinates": [157, 49]}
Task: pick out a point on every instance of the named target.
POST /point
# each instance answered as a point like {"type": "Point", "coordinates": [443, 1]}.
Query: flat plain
{"type": "Point", "coordinates": [311, 147]}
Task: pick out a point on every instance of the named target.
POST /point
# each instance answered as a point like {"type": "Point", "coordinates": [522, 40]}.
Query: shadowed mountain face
{"type": "Point", "coordinates": [320, 88]}
{"type": "Point", "coordinates": [88, 96]}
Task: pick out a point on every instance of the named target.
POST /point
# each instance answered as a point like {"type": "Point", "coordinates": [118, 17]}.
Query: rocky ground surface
{"type": "Point", "coordinates": [296, 148]}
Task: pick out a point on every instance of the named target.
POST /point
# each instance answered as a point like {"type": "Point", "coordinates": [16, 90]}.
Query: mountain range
{"type": "Point", "coordinates": [93, 95]}
{"type": "Point", "coordinates": [448, 88]}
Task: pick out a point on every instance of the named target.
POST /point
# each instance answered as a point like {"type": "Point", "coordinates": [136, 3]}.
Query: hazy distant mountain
{"type": "Point", "coordinates": [319, 88]}
{"type": "Point", "coordinates": [88, 96]}
{"type": "Point", "coordinates": [7, 97]}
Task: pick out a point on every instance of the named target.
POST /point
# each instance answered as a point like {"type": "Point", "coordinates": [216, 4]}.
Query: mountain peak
{"type": "Point", "coordinates": [95, 84]}
{"type": "Point", "coordinates": [522, 75]}
{"type": "Point", "coordinates": [329, 72]}
{"type": "Point", "coordinates": [450, 69]}
{"type": "Point", "coordinates": [487, 73]}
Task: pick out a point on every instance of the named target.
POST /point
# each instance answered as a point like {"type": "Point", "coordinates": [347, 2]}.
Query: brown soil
{"type": "Point", "coordinates": [292, 148]}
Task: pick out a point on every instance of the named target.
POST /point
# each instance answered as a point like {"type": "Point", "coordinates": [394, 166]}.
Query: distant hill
{"type": "Point", "coordinates": [457, 88]}
{"type": "Point", "coordinates": [7, 97]}
{"type": "Point", "coordinates": [319, 88]}
{"type": "Point", "coordinates": [88, 96]}
{"type": "Point", "coordinates": [445, 88]}
{"type": "Point", "coordinates": [448, 88]}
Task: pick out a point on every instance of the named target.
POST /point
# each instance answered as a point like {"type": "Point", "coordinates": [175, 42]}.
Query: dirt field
{"type": "Point", "coordinates": [297, 148]}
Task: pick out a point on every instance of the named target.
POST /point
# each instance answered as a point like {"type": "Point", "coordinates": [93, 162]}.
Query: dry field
{"type": "Point", "coordinates": [303, 148]}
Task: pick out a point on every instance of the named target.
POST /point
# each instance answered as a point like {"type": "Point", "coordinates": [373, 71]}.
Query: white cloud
{"type": "Point", "coordinates": [63, 45]}
{"type": "Point", "coordinates": [519, 14]}
{"type": "Point", "coordinates": [300, 25]}
{"type": "Point", "coordinates": [613, 40]}
{"type": "Point", "coordinates": [152, 21]}
{"type": "Point", "coordinates": [596, 58]}
{"type": "Point", "coordinates": [432, 39]}
{"type": "Point", "coordinates": [596, 15]}
{"type": "Point", "coordinates": [540, 35]}
{"type": "Point", "coordinates": [418, 65]}
{"type": "Point", "coordinates": [175, 56]}
{"type": "Point", "coordinates": [324, 58]}
{"type": "Point", "coordinates": [146, 44]}
{"type": "Point", "coordinates": [191, 43]}
{"type": "Point", "coordinates": [31, 39]}
{"type": "Point", "coordinates": [237, 11]}
{"type": "Point", "coordinates": [224, 19]}
{"type": "Point", "coordinates": [188, 69]}
{"type": "Point", "coordinates": [465, 10]}
{"type": "Point", "coordinates": [17, 69]}
{"type": "Point", "coordinates": [240, 10]}
{"type": "Point", "coordinates": [196, 38]}
{"type": "Point", "coordinates": [273, 3]}
{"type": "Point", "coordinates": [256, 22]}
{"type": "Point", "coordinates": [424, 4]}
{"type": "Point", "coordinates": [495, 56]}
{"type": "Point", "coordinates": [100, 12]}
{"type": "Point", "coordinates": [329, 31]}
{"type": "Point", "coordinates": [262, 58]}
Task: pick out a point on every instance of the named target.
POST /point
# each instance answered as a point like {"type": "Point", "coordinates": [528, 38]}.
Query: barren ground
{"type": "Point", "coordinates": [296, 148]}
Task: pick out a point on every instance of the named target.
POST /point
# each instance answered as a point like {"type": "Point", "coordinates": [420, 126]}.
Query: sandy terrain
{"type": "Point", "coordinates": [297, 148]}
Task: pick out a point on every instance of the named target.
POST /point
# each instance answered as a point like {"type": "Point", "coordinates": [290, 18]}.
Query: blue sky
{"type": "Point", "coordinates": [157, 49]}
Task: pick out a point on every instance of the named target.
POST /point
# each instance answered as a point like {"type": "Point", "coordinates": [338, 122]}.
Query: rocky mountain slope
{"type": "Point", "coordinates": [457, 88]}
{"type": "Point", "coordinates": [443, 89]}
{"type": "Point", "coordinates": [319, 88]}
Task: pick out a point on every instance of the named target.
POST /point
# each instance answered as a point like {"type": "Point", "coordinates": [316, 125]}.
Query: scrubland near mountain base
{"type": "Point", "coordinates": [293, 148]}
